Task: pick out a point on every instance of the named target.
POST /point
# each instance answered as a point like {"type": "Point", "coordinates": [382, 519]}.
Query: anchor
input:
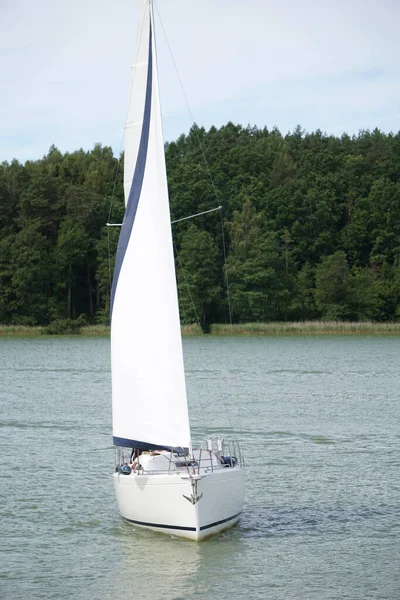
{"type": "Point", "coordinates": [194, 497]}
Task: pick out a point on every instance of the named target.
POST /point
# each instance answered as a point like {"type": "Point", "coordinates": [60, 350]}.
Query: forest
{"type": "Point", "coordinates": [309, 228]}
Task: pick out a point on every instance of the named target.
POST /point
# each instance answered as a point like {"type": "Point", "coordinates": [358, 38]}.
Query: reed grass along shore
{"type": "Point", "coordinates": [271, 329]}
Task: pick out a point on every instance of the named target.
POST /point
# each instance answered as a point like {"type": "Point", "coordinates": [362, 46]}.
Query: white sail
{"type": "Point", "coordinates": [137, 95]}
{"type": "Point", "coordinates": [148, 384]}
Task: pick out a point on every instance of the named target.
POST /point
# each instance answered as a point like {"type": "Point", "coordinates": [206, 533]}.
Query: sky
{"type": "Point", "coordinates": [332, 65]}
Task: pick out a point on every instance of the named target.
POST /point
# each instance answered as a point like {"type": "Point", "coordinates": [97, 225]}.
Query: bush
{"type": "Point", "coordinates": [65, 326]}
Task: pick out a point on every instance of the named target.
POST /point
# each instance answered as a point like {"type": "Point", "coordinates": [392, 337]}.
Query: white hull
{"type": "Point", "coordinates": [164, 502]}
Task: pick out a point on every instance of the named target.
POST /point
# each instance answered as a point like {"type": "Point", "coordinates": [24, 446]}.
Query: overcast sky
{"type": "Point", "coordinates": [65, 68]}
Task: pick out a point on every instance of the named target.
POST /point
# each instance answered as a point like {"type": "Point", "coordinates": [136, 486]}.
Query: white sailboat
{"type": "Point", "coordinates": [161, 481]}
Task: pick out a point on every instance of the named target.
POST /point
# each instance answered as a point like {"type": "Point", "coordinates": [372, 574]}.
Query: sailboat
{"type": "Point", "coordinates": [161, 481]}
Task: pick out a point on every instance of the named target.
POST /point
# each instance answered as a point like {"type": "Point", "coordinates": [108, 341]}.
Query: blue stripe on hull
{"type": "Point", "coordinates": [137, 181]}
{"type": "Point", "coordinates": [219, 522]}
{"type": "Point", "coordinates": [180, 527]}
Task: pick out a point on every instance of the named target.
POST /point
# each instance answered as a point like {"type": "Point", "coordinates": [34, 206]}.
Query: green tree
{"type": "Point", "coordinates": [364, 301]}
{"type": "Point", "coordinates": [70, 251]}
{"type": "Point", "coordinates": [256, 269]}
{"type": "Point", "coordinates": [199, 277]}
{"type": "Point", "coordinates": [303, 305]}
{"type": "Point", "coordinates": [332, 286]}
{"type": "Point", "coordinates": [32, 281]}
{"type": "Point", "coordinates": [291, 203]}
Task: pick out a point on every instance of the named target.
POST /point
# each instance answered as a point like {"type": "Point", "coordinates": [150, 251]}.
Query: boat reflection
{"type": "Point", "coordinates": [158, 567]}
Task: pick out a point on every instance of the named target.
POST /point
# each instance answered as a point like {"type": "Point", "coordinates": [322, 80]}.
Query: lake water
{"type": "Point", "coordinates": [319, 419]}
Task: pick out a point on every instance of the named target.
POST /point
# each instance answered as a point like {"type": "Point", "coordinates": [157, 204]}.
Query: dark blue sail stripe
{"type": "Point", "coordinates": [128, 443]}
{"type": "Point", "coordinates": [137, 181]}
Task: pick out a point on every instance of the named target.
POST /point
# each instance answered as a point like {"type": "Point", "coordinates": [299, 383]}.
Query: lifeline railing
{"type": "Point", "coordinates": [217, 453]}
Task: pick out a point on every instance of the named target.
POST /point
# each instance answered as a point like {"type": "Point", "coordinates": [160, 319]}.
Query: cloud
{"type": "Point", "coordinates": [65, 68]}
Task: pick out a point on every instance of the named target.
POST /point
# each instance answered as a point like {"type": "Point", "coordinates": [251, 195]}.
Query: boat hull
{"type": "Point", "coordinates": [192, 507]}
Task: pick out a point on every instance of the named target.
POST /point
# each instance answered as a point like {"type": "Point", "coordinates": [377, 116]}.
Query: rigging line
{"type": "Point", "coordinates": [182, 304]}
{"type": "Point", "coordinates": [197, 137]}
{"type": "Point", "coordinates": [187, 103]}
{"type": "Point", "coordinates": [196, 215]}
{"type": "Point", "coordinates": [199, 395]}
{"type": "Point", "coordinates": [188, 287]}
{"type": "Point", "coordinates": [109, 217]}
{"type": "Point", "coordinates": [227, 410]}
{"type": "Point", "coordinates": [109, 267]}
{"type": "Point", "coordinates": [176, 220]}
{"type": "Point", "coordinates": [226, 274]}
{"type": "Point", "coordinates": [231, 324]}
{"type": "Point", "coordinates": [115, 183]}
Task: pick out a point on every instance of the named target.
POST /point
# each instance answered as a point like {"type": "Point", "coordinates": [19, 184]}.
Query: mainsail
{"type": "Point", "coordinates": [148, 384]}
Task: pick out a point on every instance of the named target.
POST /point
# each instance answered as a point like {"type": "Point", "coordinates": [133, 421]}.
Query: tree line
{"type": "Point", "coordinates": [310, 228]}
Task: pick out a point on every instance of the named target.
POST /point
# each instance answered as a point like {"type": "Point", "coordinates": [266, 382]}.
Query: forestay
{"type": "Point", "coordinates": [148, 385]}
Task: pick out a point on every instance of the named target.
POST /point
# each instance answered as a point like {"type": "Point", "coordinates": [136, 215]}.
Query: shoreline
{"type": "Point", "coordinates": [224, 329]}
